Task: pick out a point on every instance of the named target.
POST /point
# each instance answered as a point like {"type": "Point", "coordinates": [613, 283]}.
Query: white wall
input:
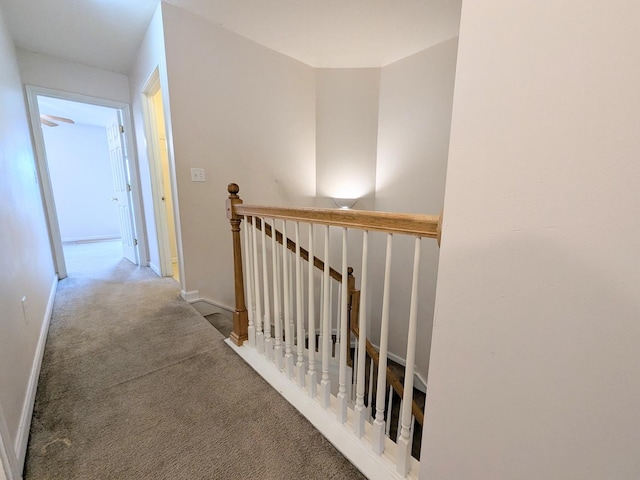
{"type": "Point", "coordinates": [346, 133]}
{"type": "Point", "coordinates": [58, 74]}
{"type": "Point", "coordinates": [80, 171]}
{"type": "Point", "coordinates": [416, 96]}
{"type": "Point", "coordinates": [25, 257]}
{"type": "Point", "coordinates": [245, 114]}
{"type": "Point", "coordinates": [535, 368]}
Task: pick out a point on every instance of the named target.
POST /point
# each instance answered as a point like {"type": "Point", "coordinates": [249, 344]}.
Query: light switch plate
{"type": "Point", "coordinates": [197, 174]}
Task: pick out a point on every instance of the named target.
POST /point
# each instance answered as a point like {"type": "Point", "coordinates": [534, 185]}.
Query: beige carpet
{"type": "Point", "coordinates": [135, 384]}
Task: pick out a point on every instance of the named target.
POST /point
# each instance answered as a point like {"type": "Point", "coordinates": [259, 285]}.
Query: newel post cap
{"type": "Point", "coordinates": [233, 190]}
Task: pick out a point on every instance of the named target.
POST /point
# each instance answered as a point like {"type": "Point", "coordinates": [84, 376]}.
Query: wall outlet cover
{"type": "Point", "coordinates": [197, 175]}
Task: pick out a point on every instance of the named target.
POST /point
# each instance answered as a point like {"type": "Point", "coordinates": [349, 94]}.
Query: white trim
{"type": "Point", "coordinates": [32, 93]}
{"type": "Point", "coordinates": [27, 409]}
{"type": "Point", "coordinates": [93, 238]}
{"type": "Point", "coordinates": [45, 182]}
{"type": "Point", "coordinates": [155, 268]}
{"type": "Point", "coordinates": [204, 305]}
{"type": "Point", "coordinates": [190, 295]}
{"type": "Point", "coordinates": [150, 88]}
{"type": "Point", "coordinates": [8, 460]}
{"type": "Point", "coordinates": [209, 307]}
{"type": "Point", "coordinates": [357, 451]}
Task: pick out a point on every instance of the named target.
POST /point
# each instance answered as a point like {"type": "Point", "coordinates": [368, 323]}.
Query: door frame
{"type": "Point", "coordinates": [55, 238]}
{"type": "Point", "coordinates": [8, 459]}
{"type": "Point", "coordinates": [150, 87]}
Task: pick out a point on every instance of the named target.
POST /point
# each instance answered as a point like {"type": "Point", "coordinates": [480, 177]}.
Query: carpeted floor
{"type": "Point", "coordinates": [136, 384]}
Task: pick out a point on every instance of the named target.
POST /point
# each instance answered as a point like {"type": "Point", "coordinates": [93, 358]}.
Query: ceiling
{"type": "Point", "coordinates": [322, 33]}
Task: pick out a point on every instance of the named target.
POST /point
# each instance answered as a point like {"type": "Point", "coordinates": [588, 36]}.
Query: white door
{"type": "Point", "coordinates": [122, 186]}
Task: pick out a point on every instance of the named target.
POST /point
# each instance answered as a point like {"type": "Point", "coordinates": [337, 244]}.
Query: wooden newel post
{"type": "Point", "coordinates": [240, 317]}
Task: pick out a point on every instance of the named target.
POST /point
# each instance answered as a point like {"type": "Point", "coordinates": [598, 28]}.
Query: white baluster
{"type": "Point", "coordinates": [321, 329]}
{"type": "Point", "coordinates": [277, 345]}
{"type": "Point", "coordinates": [312, 379]}
{"type": "Point", "coordinates": [399, 418]}
{"type": "Point", "coordinates": [257, 293]}
{"type": "Point", "coordinates": [338, 321]}
{"type": "Point", "coordinates": [353, 372]}
{"type": "Point", "coordinates": [344, 335]}
{"type": "Point", "coordinates": [325, 383]}
{"type": "Point", "coordinates": [370, 393]}
{"type": "Point", "coordinates": [360, 412]}
{"type": "Point", "coordinates": [389, 412]}
{"type": "Point", "coordinates": [404, 438]}
{"type": "Point", "coordinates": [286, 280]}
{"type": "Point", "coordinates": [299, 320]}
{"type": "Point", "coordinates": [268, 341]}
{"type": "Point", "coordinates": [378, 424]}
{"type": "Point", "coordinates": [251, 329]}
{"type": "Point", "coordinates": [331, 350]}
{"type": "Point", "coordinates": [302, 300]}
{"type": "Point", "coordinates": [292, 296]}
{"type": "Point", "coordinates": [413, 426]}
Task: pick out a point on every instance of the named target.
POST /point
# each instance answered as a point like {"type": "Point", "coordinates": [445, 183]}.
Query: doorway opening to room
{"type": "Point", "coordinates": [85, 173]}
{"type": "Point", "coordinates": [164, 204]}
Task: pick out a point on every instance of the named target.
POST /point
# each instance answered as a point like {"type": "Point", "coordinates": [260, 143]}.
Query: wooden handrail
{"type": "Point", "coordinates": [404, 223]}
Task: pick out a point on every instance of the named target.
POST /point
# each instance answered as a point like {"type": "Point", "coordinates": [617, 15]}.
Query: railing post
{"type": "Point", "coordinates": [240, 318]}
{"type": "Point", "coordinates": [354, 310]}
{"type": "Point", "coordinates": [404, 440]}
{"type": "Point", "coordinates": [359, 410]}
{"type": "Point", "coordinates": [345, 335]}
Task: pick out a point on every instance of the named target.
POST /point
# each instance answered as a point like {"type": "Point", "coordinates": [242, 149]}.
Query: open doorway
{"type": "Point", "coordinates": [161, 179]}
{"type": "Point", "coordinates": [86, 180]}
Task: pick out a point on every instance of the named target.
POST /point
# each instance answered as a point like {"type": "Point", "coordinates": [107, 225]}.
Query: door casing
{"type": "Point", "coordinates": [150, 88]}
{"type": "Point", "coordinates": [45, 180]}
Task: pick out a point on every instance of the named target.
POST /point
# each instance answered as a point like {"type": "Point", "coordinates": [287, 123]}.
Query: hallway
{"type": "Point", "coordinates": [135, 383]}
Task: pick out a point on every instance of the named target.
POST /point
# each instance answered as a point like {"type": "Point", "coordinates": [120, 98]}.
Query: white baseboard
{"type": "Point", "coordinates": [190, 296]}
{"type": "Point", "coordinates": [27, 410]}
{"type": "Point", "coordinates": [208, 307]}
{"type": "Point", "coordinates": [155, 268]}
{"type": "Point", "coordinates": [94, 238]}
{"type": "Point", "coordinates": [205, 306]}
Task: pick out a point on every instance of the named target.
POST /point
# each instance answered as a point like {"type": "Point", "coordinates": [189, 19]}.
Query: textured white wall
{"type": "Point", "coordinates": [245, 114]}
{"type": "Point", "coordinates": [80, 171]}
{"type": "Point", "coordinates": [535, 366]}
{"type": "Point", "coordinates": [25, 255]}
{"type": "Point", "coordinates": [416, 96]}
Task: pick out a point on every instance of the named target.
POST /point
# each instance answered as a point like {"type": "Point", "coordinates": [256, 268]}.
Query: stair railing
{"type": "Point", "coordinates": [291, 343]}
